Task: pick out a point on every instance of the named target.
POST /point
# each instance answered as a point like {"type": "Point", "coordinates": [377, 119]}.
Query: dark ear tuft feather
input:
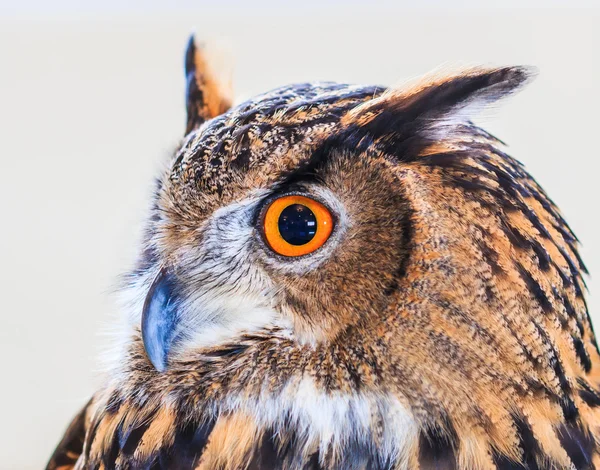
{"type": "Point", "coordinates": [205, 96]}
{"type": "Point", "coordinates": [481, 86]}
{"type": "Point", "coordinates": [437, 102]}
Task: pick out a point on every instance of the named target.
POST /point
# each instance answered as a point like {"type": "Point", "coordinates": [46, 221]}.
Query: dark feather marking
{"type": "Point", "coordinates": [490, 255]}
{"type": "Point", "coordinates": [407, 237]}
{"type": "Point", "coordinates": [129, 439]}
{"type": "Point", "coordinates": [544, 200]}
{"type": "Point", "coordinates": [590, 396]}
{"type": "Point", "coordinates": [582, 265]}
{"type": "Point", "coordinates": [313, 462]}
{"type": "Point", "coordinates": [571, 313]}
{"type": "Point", "coordinates": [353, 372]}
{"type": "Point", "coordinates": [515, 189]}
{"type": "Point", "coordinates": [360, 453]}
{"type": "Point", "coordinates": [155, 465]}
{"type": "Point", "coordinates": [529, 446]}
{"type": "Point", "coordinates": [227, 350]}
{"type": "Point", "coordinates": [566, 279]}
{"type": "Point", "coordinates": [542, 255]}
{"type": "Point", "coordinates": [535, 288]}
{"type": "Point", "coordinates": [565, 401]}
{"type": "Point", "coordinates": [271, 454]}
{"type": "Point", "coordinates": [504, 463]}
{"type": "Point", "coordinates": [266, 455]}
{"type": "Point", "coordinates": [190, 440]}
{"type": "Point", "coordinates": [114, 403]}
{"type": "Point", "coordinates": [566, 233]}
{"type": "Point", "coordinates": [241, 160]}
{"type": "Point", "coordinates": [286, 441]}
{"type": "Point", "coordinates": [569, 408]}
{"type": "Point", "coordinates": [525, 242]}
{"type": "Point", "coordinates": [574, 271]}
{"type": "Point", "coordinates": [582, 355]}
{"type": "Point", "coordinates": [579, 445]}
{"type": "Point", "coordinates": [437, 446]}
{"type": "Point", "coordinates": [472, 186]}
{"type": "Point", "coordinates": [515, 237]}
{"type": "Point", "coordinates": [109, 457]}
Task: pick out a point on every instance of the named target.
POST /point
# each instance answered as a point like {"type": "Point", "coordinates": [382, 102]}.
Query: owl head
{"type": "Point", "coordinates": [364, 241]}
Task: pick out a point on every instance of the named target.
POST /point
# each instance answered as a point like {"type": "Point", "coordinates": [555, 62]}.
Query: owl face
{"type": "Point", "coordinates": [263, 220]}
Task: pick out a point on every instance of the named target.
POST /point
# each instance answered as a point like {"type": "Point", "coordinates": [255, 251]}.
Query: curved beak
{"type": "Point", "coordinates": [160, 319]}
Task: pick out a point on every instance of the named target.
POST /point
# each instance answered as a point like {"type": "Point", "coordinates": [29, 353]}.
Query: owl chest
{"type": "Point", "coordinates": [299, 428]}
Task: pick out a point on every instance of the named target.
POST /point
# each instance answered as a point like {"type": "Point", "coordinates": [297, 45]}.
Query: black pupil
{"type": "Point", "coordinates": [297, 224]}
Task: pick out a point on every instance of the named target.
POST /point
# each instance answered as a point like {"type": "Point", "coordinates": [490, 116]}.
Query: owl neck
{"type": "Point", "coordinates": [312, 397]}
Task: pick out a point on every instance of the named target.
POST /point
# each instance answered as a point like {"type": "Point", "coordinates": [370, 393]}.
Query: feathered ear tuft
{"type": "Point", "coordinates": [206, 97]}
{"type": "Point", "coordinates": [436, 102]}
{"type": "Point", "coordinates": [455, 93]}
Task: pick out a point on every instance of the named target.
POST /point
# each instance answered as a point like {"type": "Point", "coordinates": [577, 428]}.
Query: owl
{"type": "Point", "coordinates": [340, 277]}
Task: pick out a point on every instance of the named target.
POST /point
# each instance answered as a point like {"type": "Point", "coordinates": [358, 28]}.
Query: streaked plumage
{"type": "Point", "coordinates": [442, 325]}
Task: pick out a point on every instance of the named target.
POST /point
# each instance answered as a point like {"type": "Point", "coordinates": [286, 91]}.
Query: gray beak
{"type": "Point", "coordinates": [160, 318]}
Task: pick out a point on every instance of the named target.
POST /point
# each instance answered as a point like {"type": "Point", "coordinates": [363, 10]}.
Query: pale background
{"type": "Point", "coordinates": [91, 101]}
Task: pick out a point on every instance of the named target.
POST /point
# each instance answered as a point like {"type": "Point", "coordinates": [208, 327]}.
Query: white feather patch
{"type": "Point", "coordinates": [333, 420]}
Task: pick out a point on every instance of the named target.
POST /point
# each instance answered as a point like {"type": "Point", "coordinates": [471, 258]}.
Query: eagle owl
{"type": "Point", "coordinates": [342, 277]}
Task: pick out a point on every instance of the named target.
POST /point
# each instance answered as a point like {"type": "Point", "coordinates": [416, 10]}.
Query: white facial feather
{"type": "Point", "coordinates": [226, 291]}
{"type": "Point", "coordinates": [333, 420]}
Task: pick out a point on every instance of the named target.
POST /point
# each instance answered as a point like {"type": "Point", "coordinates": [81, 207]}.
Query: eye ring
{"type": "Point", "coordinates": [296, 225]}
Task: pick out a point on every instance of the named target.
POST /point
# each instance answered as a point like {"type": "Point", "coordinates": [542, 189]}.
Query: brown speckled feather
{"type": "Point", "coordinates": [443, 326]}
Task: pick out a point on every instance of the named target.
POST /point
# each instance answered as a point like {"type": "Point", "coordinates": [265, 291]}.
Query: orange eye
{"type": "Point", "coordinates": [296, 225]}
